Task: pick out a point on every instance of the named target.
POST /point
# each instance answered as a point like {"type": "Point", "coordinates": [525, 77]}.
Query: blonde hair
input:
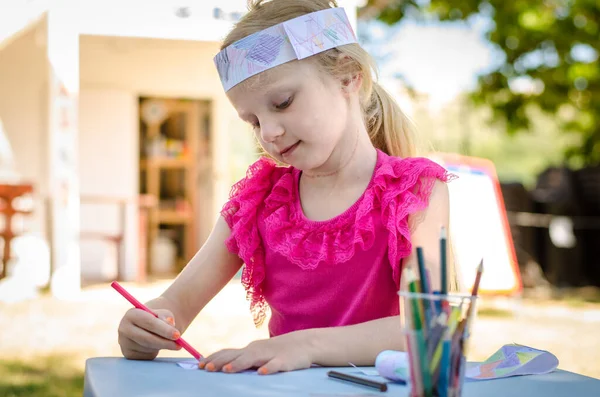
{"type": "Point", "coordinates": [388, 127]}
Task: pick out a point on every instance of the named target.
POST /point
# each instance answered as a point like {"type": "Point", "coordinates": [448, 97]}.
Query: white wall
{"type": "Point", "coordinates": [17, 16]}
{"type": "Point", "coordinates": [23, 110]}
{"type": "Point", "coordinates": [165, 68]}
{"type": "Point", "coordinates": [149, 66]}
{"type": "Point", "coordinates": [114, 72]}
{"type": "Point", "coordinates": [108, 168]}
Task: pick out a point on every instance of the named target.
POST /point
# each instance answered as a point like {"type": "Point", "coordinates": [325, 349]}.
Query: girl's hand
{"type": "Point", "coordinates": [282, 353]}
{"type": "Point", "coordinates": [141, 335]}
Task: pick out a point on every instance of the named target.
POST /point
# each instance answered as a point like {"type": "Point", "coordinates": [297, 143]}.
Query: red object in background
{"type": "Point", "coordinates": [7, 194]}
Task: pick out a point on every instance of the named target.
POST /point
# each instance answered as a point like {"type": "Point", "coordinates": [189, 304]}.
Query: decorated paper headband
{"type": "Point", "coordinates": [297, 38]}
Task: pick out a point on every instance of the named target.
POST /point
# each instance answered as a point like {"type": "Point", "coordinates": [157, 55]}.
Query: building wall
{"type": "Point", "coordinates": [23, 110]}
{"type": "Point", "coordinates": [114, 73]}
{"type": "Point", "coordinates": [108, 165]}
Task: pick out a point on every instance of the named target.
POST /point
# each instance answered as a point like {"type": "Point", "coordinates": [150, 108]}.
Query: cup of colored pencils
{"type": "Point", "coordinates": [435, 325]}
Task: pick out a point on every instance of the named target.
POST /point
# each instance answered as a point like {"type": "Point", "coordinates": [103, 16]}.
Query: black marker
{"type": "Point", "coordinates": [358, 380]}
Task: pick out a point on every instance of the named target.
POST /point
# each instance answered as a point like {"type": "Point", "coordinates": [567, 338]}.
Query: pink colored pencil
{"type": "Point", "coordinates": [138, 305]}
{"type": "Point", "coordinates": [413, 363]}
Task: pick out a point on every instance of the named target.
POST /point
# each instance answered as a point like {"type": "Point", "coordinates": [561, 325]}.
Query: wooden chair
{"type": "Point", "coordinates": [8, 193]}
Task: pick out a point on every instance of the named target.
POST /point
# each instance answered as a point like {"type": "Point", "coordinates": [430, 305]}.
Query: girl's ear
{"type": "Point", "coordinates": [352, 84]}
{"type": "Point", "coordinates": [352, 80]}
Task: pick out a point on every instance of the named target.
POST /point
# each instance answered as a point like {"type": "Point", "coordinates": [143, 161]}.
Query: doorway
{"type": "Point", "coordinates": [175, 170]}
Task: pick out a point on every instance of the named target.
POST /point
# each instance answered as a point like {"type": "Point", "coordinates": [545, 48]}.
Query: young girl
{"type": "Point", "coordinates": [323, 239]}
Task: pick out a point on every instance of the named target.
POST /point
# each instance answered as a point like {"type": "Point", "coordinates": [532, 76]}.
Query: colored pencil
{"type": "Point", "coordinates": [414, 363]}
{"type": "Point", "coordinates": [381, 386]}
{"type": "Point", "coordinates": [444, 375]}
{"type": "Point", "coordinates": [443, 263]}
{"type": "Point", "coordinates": [435, 347]}
{"type": "Point", "coordinates": [422, 273]}
{"type": "Point", "coordinates": [427, 315]}
{"type": "Point", "coordinates": [474, 293]}
{"type": "Point", "coordinates": [419, 337]}
{"type": "Point", "coordinates": [137, 304]}
{"type": "Point", "coordinates": [444, 304]}
{"type": "Point", "coordinates": [413, 287]}
{"type": "Point", "coordinates": [434, 304]}
{"type": "Point", "coordinates": [458, 339]}
{"type": "Point", "coordinates": [477, 278]}
{"type": "Point", "coordinates": [461, 371]}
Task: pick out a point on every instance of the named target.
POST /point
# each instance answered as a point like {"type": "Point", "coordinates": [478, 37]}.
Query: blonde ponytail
{"type": "Point", "coordinates": [389, 128]}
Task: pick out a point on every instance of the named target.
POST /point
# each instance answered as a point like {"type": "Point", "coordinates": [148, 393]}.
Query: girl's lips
{"type": "Point", "coordinates": [289, 149]}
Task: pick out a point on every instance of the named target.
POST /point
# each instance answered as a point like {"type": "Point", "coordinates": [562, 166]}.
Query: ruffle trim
{"type": "Point", "coordinates": [399, 188]}
{"type": "Point", "coordinates": [240, 213]}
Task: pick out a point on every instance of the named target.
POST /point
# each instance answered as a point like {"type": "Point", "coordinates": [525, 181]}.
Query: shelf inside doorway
{"type": "Point", "coordinates": [165, 162]}
{"type": "Point", "coordinates": [173, 217]}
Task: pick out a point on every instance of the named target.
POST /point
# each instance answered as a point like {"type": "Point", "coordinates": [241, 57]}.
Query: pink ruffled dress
{"type": "Point", "coordinates": [342, 271]}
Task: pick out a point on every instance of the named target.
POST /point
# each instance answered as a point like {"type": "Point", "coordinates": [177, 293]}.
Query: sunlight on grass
{"type": "Point", "coordinates": [494, 312]}
{"type": "Point", "coordinates": [52, 376]}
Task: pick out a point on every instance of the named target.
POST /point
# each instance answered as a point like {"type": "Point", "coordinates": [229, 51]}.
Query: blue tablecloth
{"type": "Point", "coordinates": [116, 377]}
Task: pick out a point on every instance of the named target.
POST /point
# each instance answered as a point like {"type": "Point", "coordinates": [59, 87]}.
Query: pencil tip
{"type": "Point", "coordinates": [443, 233]}
{"type": "Point", "coordinates": [480, 267]}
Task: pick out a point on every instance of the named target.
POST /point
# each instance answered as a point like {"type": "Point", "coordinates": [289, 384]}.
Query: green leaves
{"type": "Point", "coordinates": [551, 50]}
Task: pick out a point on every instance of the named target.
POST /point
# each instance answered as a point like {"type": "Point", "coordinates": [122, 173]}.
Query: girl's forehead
{"type": "Point", "coordinates": [294, 72]}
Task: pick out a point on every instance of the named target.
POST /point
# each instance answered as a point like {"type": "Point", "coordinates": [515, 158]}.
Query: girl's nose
{"type": "Point", "coordinates": [270, 131]}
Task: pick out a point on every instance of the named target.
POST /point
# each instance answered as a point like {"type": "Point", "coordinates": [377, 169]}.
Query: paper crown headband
{"type": "Point", "coordinates": [297, 38]}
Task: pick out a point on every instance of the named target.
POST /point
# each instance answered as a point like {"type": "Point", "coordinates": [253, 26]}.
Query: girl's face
{"type": "Point", "coordinates": [299, 114]}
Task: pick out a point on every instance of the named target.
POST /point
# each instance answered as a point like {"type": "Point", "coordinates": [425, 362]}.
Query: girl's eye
{"type": "Point", "coordinates": [284, 104]}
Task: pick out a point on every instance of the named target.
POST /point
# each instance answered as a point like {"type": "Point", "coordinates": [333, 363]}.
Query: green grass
{"type": "Point", "coordinates": [494, 312]}
{"type": "Point", "coordinates": [52, 376]}
{"type": "Point", "coordinates": [580, 302]}
{"type": "Point", "coordinates": [579, 297]}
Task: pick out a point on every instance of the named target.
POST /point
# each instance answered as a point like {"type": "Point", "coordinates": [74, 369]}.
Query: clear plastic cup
{"type": "Point", "coordinates": [436, 329]}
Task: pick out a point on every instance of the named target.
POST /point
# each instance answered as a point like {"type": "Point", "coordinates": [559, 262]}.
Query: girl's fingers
{"type": "Point", "coordinates": [166, 316]}
{"type": "Point", "coordinates": [133, 351]}
{"type": "Point", "coordinates": [243, 362]}
{"type": "Point", "coordinates": [216, 361]}
{"type": "Point", "coordinates": [208, 359]}
{"type": "Point", "coordinates": [136, 347]}
{"type": "Point", "coordinates": [150, 340]}
{"type": "Point", "coordinates": [135, 355]}
{"type": "Point", "coordinates": [141, 335]}
{"type": "Point", "coordinates": [154, 325]}
{"type": "Point", "coordinates": [272, 367]}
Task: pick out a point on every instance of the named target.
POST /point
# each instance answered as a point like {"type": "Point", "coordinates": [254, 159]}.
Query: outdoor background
{"type": "Point", "coordinates": [514, 82]}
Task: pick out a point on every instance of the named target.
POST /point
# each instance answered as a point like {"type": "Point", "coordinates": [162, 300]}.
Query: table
{"type": "Point", "coordinates": [116, 377]}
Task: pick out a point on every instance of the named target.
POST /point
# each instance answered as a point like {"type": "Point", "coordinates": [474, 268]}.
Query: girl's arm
{"type": "Point", "coordinates": [360, 343]}
{"type": "Point", "coordinates": [203, 277]}
{"type": "Point", "coordinates": [142, 336]}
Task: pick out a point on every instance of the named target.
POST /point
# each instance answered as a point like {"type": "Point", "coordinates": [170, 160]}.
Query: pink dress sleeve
{"type": "Point", "coordinates": [240, 213]}
{"type": "Point", "coordinates": [402, 188]}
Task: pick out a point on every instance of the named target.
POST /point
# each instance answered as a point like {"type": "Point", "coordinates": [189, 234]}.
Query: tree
{"type": "Point", "coordinates": [551, 50]}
